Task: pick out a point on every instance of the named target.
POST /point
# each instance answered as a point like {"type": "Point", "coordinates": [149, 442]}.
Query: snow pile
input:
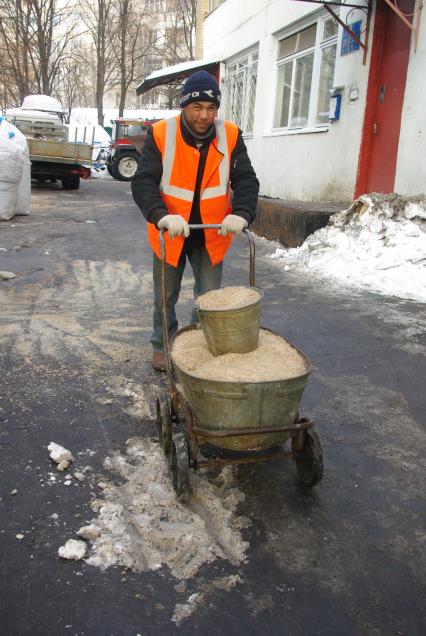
{"type": "Point", "coordinates": [73, 549]}
{"type": "Point", "coordinates": [90, 532]}
{"type": "Point", "coordinates": [7, 275]}
{"type": "Point", "coordinates": [58, 453]}
{"type": "Point", "coordinates": [379, 243]}
{"type": "Point", "coordinates": [142, 525]}
{"type": "Point", "coordinates": [43, 103]}
{"type": "Point", "coordinates": [62, 456]}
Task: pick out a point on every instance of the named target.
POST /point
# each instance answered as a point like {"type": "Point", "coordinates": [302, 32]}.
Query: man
{"type": "Point", "coordinates": [185, 172]}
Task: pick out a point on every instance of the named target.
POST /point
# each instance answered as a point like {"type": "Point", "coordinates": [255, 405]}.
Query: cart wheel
{"type": "Point", "coordinates": [164, 423]}
{"type": "Point", "coordinates": [309, 460]}
{"type": "Point", "coordinates": [179, 465]}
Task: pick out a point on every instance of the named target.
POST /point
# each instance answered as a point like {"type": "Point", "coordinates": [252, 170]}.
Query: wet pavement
{"type": "Point", "coordinates": [345, 558]}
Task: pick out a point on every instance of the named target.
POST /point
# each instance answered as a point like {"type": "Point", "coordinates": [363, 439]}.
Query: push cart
{"type": "Point", "coordinates": [250, 420]}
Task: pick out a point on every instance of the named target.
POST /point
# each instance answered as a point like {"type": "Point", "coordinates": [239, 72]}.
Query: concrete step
{"type": "Point", "coordinates": [290, 222]}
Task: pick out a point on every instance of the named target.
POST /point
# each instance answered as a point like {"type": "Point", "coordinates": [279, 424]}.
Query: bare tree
{"type": "Point", "coordinates": [35, 36]}
{"type": "Point", "coordinates": [180, 20]}
{"type": "Point", "coordinates": [187, 12]}
{"type": "Point", "coordinates": [132, 45]}
{"type": "Point", "coordinates": [53, 29]}
{"type": "Point", "coordinates": [15, 34]}
{"type": "Point", "coordinates": [99, 16]}
{"type": "Point", "coordinates": [74, 82]}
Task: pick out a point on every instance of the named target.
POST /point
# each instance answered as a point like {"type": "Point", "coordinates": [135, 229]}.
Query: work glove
{"type": "Point", "coordinates": [233, 224]}
{"type": "Point", "coordinates": [175, 224]}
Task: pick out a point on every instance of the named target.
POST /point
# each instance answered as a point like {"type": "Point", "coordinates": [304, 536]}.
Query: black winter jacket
{"type": "Point", "coordinates": [145, 183]}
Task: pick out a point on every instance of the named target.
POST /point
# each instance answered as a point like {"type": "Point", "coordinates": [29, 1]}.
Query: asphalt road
{"type": "Point", "coordinates": [345, 558]}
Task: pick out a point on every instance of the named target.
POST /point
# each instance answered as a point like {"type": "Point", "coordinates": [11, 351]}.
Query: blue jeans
{"type": "Point", "coordinates": [206, 277]}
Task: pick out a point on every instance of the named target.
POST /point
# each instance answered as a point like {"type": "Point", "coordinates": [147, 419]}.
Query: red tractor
{"type": "Point", "coordinates": [128, 137]}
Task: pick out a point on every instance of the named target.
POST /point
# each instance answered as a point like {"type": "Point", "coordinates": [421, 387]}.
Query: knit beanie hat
{"type": "Point", "coordinates": [200, 87]}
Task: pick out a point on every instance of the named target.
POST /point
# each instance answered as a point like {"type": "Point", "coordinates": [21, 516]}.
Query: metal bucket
{"type": "Point", "coordinates": [232, 330]}
{"type": "Point", "coordinates": [221, 406]}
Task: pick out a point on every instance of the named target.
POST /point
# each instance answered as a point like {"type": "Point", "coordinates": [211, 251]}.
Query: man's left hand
{"type": "Point", "coordinates": [232, 223]}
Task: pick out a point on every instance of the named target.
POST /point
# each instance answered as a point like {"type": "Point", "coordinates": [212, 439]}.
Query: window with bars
{"type": "Point", "coordinates": [238, 89]}
{"type": "Point", "coordinates": [305, 74]}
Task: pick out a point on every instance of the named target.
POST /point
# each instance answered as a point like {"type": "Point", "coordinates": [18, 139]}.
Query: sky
{"type": "Point", "coordinates": [378, 244]}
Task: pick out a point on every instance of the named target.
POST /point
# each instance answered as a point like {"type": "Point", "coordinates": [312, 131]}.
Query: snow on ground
{"type": "Point", "coordinates": [379, 244]}
{"type": "Point", "coordinates": [101, 173]}
{"type": "Point", "coordinates": [89, 116]}
{"type": "Point", "coordinates": [88, 134]}
{"type": "Point", "coordinates": [141, 524]}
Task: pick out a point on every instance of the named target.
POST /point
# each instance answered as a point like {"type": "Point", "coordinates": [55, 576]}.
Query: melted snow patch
{"type": "Point", "coordinates": [143, 526]}
{"type": "Point", "coordinates": [124, 387]}
{"type": "Point", "coordinates": [184, 610]}
{"type": "Point", "coordinates": [379, 243]}
{"type": "Point", "coordinates": [7, 275]}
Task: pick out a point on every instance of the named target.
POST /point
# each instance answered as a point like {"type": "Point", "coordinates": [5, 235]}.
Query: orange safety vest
{"type": "Point", "coordinates": [180, 165]}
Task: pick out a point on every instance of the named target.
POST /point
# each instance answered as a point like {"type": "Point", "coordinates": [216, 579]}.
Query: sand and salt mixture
{"type": "Point", "coordinates": [274, 359]}
{"type": "Point", "coordinates": [228, 298]}
{"type": "Point", "coordinates": [143, 526]}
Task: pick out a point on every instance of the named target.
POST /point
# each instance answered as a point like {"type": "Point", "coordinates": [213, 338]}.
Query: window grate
{"type": "Point", "coordinates": [238, 94]}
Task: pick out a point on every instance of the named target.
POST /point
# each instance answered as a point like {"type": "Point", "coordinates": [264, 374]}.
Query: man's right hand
{"type": "Point", "coordinates": [174, 224]}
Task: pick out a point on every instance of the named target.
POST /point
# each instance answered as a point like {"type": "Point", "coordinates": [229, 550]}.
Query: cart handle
{"type": "Point", "coordinates": [192, 226]}
{"type": "Point", "coordinates": [217, 226]}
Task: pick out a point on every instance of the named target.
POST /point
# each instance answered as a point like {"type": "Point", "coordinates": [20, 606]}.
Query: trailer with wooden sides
{"type": "Point", "coordinates": [53, 157]}
{"type": "Point", "coordinates": [64, 161]}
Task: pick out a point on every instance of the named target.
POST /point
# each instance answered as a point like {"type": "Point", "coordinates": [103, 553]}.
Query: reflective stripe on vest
{"type": "Point", "coordinates": [169, 154]}
{"type": "Point", "coordinates": [180, 167]}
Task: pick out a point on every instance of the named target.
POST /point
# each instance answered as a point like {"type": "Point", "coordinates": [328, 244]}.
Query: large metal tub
{"type": "Point", "coordinates": [220, 406]}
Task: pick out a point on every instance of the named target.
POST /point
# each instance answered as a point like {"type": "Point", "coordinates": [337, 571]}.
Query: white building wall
{"type": "Point", "coordinates": [319, 165]}
{"type": "Point", "coordinates": [411, 162]}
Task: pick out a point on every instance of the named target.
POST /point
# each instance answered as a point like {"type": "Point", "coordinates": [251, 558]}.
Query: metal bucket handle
{"type": "Point", "coordinates": [194, 226]}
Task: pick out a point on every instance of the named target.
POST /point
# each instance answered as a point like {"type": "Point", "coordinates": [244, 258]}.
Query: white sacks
{"type": "Point", "coordinates": [10, 176]}
{"type": "Point", "coordinates": [23, 202]}
{"type": "Point", "coordinates": [15, 172]}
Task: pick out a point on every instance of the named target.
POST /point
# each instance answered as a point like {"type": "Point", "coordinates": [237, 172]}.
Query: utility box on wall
{"type": "Point", "coordinates": [335, 103]}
